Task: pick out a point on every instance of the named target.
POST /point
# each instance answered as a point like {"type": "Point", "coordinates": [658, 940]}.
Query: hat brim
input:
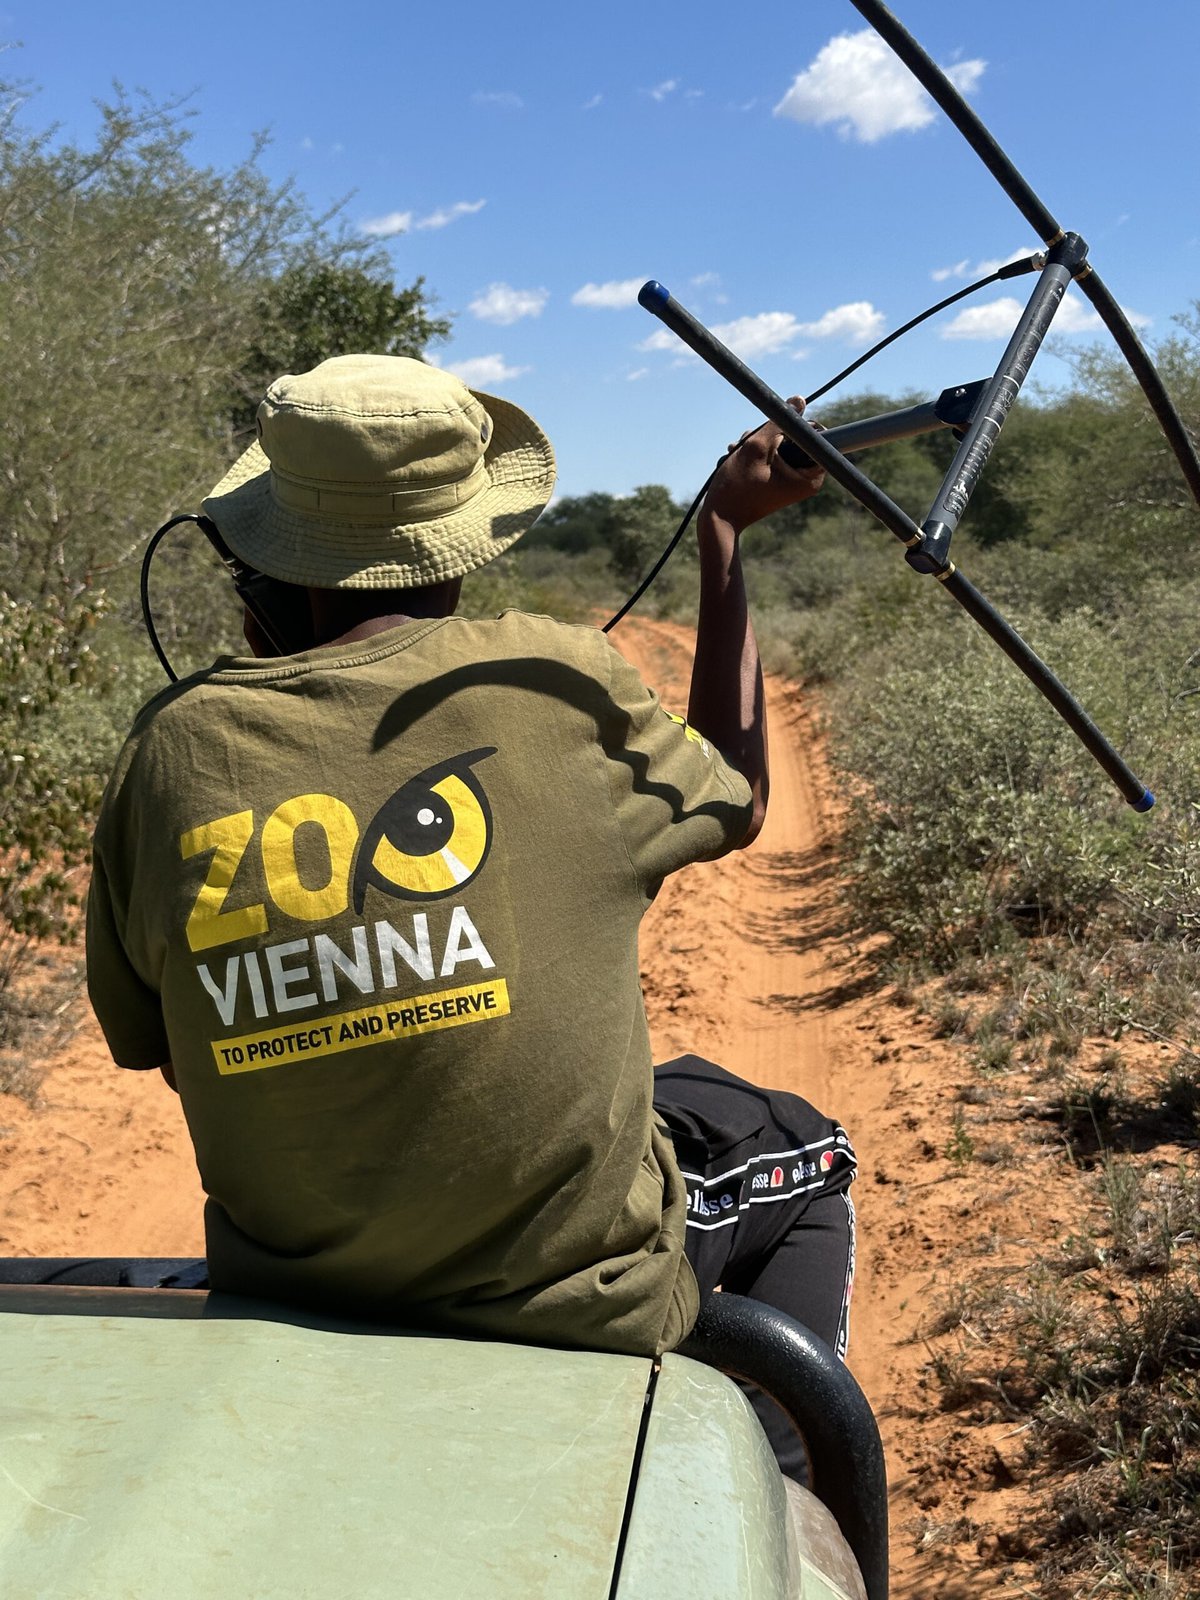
{"type": "Point", "coordinates": [321, 552]}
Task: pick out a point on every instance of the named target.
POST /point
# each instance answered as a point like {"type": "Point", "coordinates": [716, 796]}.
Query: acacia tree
{"type": "Point", "coordinates": [316, 309]}
{"type": "Point", "coordinates": [45, 813]}
{"type": "Point", "coordinates": [642, 523]}
{"type": "Point", "coordinates": [140, 293]}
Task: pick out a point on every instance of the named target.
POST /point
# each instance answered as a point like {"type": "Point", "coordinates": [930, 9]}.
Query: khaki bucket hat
{"type": "Point", "coordinates": [381, 472]}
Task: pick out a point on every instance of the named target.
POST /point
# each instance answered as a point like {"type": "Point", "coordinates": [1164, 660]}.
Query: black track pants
{"type": "Point", "coordinates": [769, 1209]}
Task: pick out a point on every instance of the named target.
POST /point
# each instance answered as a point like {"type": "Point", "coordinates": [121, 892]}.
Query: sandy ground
{"type": "Point", "coordinates": [742, 961]}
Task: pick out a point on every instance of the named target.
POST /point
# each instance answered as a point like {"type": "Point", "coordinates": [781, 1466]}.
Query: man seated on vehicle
{"type": "Point", "coordinates": [372, 907]}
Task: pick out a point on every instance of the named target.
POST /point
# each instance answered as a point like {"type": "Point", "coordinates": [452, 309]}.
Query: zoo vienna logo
{"type": "Point", "coordinates": [429, 839]}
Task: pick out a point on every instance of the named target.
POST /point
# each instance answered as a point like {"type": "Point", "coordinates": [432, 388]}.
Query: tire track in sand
{"type": "Point", "coordinates": [734, 959]}
{"type": "Point", "coordinates": [742, 959]}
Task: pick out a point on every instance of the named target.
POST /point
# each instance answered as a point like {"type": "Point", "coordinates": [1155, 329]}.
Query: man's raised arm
{"type": "Point", "coordinates": [726, 703]}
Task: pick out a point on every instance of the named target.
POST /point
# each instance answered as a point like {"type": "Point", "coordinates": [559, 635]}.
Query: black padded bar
{"type": "Point", "coordinates": [106, 1272]}
{"type": "Point", "coordinates": [749, 1340]}
{"type": "Point", "coordinates": [658, 300]}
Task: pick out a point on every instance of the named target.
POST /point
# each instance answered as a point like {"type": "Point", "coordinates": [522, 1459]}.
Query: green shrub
{"type": "Point", "coordinates": [46, 810]}
{"type": "Point", "coordinates": [975, 815]}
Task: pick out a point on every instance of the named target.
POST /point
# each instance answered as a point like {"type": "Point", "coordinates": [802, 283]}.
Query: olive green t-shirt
{"type": "Point", "coordinates": [378, 904]}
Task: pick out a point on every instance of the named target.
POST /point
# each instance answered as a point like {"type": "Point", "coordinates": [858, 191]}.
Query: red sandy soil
{"type": "Point", "coordinates": [742, 962]}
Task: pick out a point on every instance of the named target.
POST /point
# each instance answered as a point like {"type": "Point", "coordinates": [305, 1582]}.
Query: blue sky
{"type": "Point", "coordinates": [773, 168]}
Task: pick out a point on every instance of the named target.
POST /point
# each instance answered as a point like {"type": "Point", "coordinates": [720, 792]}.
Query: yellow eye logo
{"type": "Point", "coordinates": [431, 837]}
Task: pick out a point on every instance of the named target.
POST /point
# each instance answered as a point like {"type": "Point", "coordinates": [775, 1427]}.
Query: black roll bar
{"type": "Point", "coordinates": [799, 1371]}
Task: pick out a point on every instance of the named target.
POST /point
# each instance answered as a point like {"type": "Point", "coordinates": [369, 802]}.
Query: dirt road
{"type": "Point", "coordinates": [742, 961]}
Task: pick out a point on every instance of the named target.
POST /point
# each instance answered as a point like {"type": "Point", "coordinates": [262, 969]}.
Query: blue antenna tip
{"type": "Point", "coordinates": [1145, 802]}
{"type": "Point", "coordinates": [653, 294]}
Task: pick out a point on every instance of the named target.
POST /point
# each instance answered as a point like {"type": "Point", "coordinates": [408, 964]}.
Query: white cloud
{"type": "Point", "coordinates": [394, 222]}
{"type": "Point", "coordinates": [483, 371]}
{"type": "Point", "coordinates": [661, 339]}
{"type": "Point", "coordinates": [998, 318]}
{"type": "Point", "coordinates": [501, 303]}
{"type": "Point", "coordinates": [857, 82]}
{"type": "Point", "coordinates": [857, 322]}
{"type": "Point", "coordinates": [611, 296]}
{"type": "Point", "coordinates": [1073, 317]}
{"type": "Point", "coordinates": [499, 99]}
{"type": "Point", "coordinates": [759, 336]}
{"type": "Point", "coordinates": [596, 100]}
{"type": "Point", "coordinates": [306, 143]}
{"type": "Point", "coordinates": [638, 372]}
{"type": "Point", "coordinates": [958, 270]}
{"type": "Point", "coordinates": [663, 89]}
{"type": "Point", "coordinates": [981, 269]}
{"type": "Point", "coordinates": [995, 320]}
{"type": "Point", "coordinates": [388, 226]}
{"type": "Point", "coordinates": [709, 284]}
{"type": "Point", "coordinates": [990, 264]}
{"type": "Point", "coordinates": [448, 214]}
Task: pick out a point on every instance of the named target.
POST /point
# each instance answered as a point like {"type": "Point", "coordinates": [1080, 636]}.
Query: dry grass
{"type": "Point", "coordinates": [1096, 1351]}
{"type": "Point", "coordinates": [40, 1012]}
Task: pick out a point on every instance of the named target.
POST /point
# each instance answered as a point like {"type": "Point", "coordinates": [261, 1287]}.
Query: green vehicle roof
{"type": "Point", "coordinates": [170, 1443]}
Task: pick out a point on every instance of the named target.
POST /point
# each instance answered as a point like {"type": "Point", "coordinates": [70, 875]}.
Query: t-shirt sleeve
{"type": "Point", "coordinates": [127, 1009]}
{"type": "Point", "coordinates": [677, 799]}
